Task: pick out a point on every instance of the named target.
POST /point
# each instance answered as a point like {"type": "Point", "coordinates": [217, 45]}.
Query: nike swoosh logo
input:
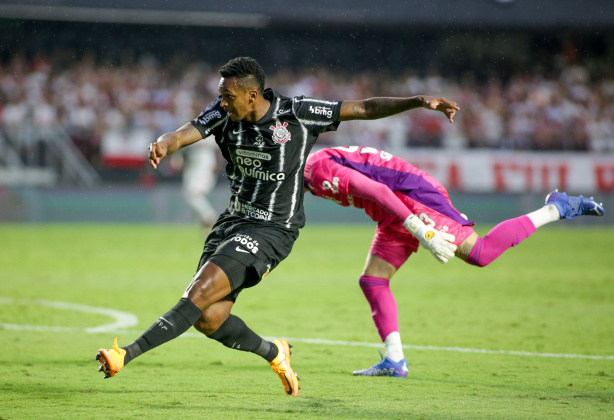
{"type": "Point", "coordinates": [238, 131]}
{"type": "Point", "coordinates": [285, 111]}
{"type": "Point", "coordinates": [242, 250]}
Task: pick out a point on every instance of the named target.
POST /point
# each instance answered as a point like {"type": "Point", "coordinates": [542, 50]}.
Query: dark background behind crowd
{"type": "Point", "coordinates": [114, 88]}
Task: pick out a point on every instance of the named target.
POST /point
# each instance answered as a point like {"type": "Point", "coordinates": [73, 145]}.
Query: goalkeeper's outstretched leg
{"type": "Point", "coordinates": [558, 205]}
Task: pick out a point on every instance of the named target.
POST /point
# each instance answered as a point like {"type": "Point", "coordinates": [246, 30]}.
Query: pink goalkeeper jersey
{"type": "Point", "coordinates": [328, 171]}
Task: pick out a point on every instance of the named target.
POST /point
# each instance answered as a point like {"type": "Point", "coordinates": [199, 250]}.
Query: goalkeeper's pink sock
{"type": "Point", "coordinates": [502, 237]}
{"type": "Point", "coordinates": [383, 306]}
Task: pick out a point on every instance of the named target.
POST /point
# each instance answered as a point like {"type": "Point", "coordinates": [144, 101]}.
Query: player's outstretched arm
{"type": "Point", "coordinates": [374, 108]}
{"type": "Point", "coordinates": [439, 243]}
{"type": "Point", "coordinates": [169, 143]}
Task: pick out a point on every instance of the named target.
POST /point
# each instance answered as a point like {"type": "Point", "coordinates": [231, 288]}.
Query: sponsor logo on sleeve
{"type": "Point", "coordinates": [209, 116]}
{"type": "Point", "coordinates": [321, 110]}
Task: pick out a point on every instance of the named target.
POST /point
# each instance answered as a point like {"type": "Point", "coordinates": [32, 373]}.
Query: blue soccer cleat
{"type": "Point", "coordinates": [385, 367]}
{"type": "Point", "coordinates": [571, 207]}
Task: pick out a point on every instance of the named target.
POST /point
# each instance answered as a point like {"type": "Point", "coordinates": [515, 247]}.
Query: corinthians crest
{"type": "Point", "coordinates": [281, 134]}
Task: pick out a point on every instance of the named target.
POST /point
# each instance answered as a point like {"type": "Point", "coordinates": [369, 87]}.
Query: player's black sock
{"type": "Point", "coordinates": [233, 333]}
{"type": "Point", "coordinates": [132, 350]}
{"type": "Point", "coordinates": [170, 325]}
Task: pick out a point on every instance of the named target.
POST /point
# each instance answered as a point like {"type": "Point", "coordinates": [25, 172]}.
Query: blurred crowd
{"type": "Point", "coordinates": [111, 112]}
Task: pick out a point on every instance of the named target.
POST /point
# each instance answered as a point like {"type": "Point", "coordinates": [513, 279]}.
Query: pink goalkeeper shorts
{"type": "Point", "coordinates": [394, 244]}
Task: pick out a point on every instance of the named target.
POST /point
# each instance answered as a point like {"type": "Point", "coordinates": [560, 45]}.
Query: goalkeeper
{"type": "Point", "coordinates": [412, 208]}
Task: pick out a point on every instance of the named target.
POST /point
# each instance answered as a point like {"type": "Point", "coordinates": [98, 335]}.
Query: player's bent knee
{"type": "Point", "coordinates": [378, 267]}
{"type": "Point", "coordinates": [208, 326]}
{"type": "Point", "coordinates": [209, 286]}
{"type": "Point", "coordinates": [204, 327]}
{"type": "Point", "coordinates": [214, 316]}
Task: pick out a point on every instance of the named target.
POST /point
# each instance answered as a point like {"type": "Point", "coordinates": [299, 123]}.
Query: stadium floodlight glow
{"type": "Point", "coordinates": [134, 16]}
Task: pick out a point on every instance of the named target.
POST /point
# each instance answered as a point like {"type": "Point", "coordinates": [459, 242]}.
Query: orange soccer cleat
{"type": "Point", "coordinates": [281, 366]}
{"type": "Point", "coordinates": [111, 360]}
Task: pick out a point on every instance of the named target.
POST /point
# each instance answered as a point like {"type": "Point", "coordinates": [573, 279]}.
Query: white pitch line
{"type": "Point", "coordinates": [126, 320]}
{"type": "Point", "coordinates": [453, 349]}
{"type": "Point", "coordinates": [122, 319]}
{"type": "Point", "coordinates": [415, 347]}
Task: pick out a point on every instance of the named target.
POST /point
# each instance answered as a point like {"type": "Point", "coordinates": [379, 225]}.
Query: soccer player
{"type": "Point", "coordinates": [199, 178]}
{"type": "Point", "coordinates": [412, 208]}
{"type": "Point", "coordinates": [265, 138]}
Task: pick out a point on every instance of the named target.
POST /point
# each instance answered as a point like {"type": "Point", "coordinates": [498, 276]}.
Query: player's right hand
{"type": "Point", "coordinates": [441, 246]}
{"type": "Point", "coordinates": [439, 243]}
{"type": "Point", "coordinates": [157, 151]}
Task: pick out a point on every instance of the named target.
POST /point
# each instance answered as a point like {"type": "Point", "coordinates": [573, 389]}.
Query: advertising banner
{"type": "Point", "coordinates": [516, 172]}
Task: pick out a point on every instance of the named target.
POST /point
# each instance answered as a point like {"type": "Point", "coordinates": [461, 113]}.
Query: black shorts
{"type": "Point", "coordinates": [257, 247]}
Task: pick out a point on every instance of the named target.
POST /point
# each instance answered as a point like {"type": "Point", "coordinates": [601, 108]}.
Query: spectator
{"type": "Point", "coordinates": [108, 109]}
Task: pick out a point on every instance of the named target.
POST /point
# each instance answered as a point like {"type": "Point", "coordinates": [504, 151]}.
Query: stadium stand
{"type": "Point", "coordinates": [112, 88]}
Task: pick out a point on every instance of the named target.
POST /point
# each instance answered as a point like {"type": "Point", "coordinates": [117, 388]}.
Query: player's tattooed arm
{"type": "Point", "coordinates": [374, 108]}
{"type": "Point", "coordinates": [169, 143]}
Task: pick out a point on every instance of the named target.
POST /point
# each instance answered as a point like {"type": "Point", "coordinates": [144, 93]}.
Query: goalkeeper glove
{"type": "Point", "coordinates": [439, 243]}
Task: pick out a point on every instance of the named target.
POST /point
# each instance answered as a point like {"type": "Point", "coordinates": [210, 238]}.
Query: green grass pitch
{"type": "Point", "coordinates": [552, 297]}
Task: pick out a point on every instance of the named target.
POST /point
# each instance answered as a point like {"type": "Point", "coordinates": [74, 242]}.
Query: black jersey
{"type": "Point", "coordinates": [265, 159]}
